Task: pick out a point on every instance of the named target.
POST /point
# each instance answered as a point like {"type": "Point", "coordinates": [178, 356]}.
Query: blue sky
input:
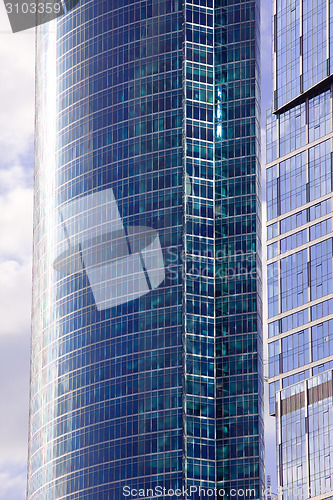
{"type": "Point", "coordinates": [16, 179]}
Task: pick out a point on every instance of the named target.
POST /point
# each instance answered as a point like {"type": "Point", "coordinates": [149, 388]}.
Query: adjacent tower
{"type": "Point", "coordinates": [299, 251]}
{"type": "Point", "coordinates": [146, 368]}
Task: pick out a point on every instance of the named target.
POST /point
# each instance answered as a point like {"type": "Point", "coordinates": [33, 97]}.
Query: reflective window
{"type": "Point", "coordinates": [320, 177]}
{"type": "Point", "coordinates": [322, 368]}
{"type": "Point", "coordinates": [292, 129]}
{"type": "Point", "coordinates": [294, 379]}
{"type": "Point", "coordinates": [294, 320]}
{"type": "Point", "coordinates": [320, 209]}
{"type": "Point", "coordinates": [322, 340]}
{"type": "Point", "coordinates": [273, 289]}
{"type": "Point", "coordinates": [272, 230]}
{"type": "Point", "coordinates": [294, 280]}
{"type": "Point", "coordinates": [293, 451]}
{"type": "Point", "coordinates": [320, 229]}
{"type": "Point", "coordinates": [273, 250]}
{"type": "Point", "coordinates": [287, 37]}
{"type": "Point", "coordinates": [321, 269]}
{"type": "Point", "coordinates": [293, 221]}
{"type": "Point", "coordinates": [322, 309]}
{"type": "Point", "coordinates": [319, 115]}
{"type": "Point", "coordinates": [314, 42]}
{"type": "Point", "coordinates": [293, 182]}
{"type": "Point", "coordinates": [274, 358]}
{"type": "Point", "coordinates": [271, 136]}
{"type": "Point", "coordinates": [273, 328]}
{"type": "Point", "coordinates": [320, 434]}
{"type": "Point", "coordinates": [293, 241]}
{"type": "Point", "coordinates": [272, 192]}
{"type": "Point", "coordinates": [273, 387]}
{"type": "Point", "coordinates": [295, 350]}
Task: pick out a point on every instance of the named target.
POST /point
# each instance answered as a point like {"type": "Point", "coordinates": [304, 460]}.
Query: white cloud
{"type": "Point", "coordinates": [16, 144]}
{"type": "Point", "coordinates": [15, 252]}
{"type": "Point", "coordinates": [12, 484]}
{"type": "Point", "coordinates": [14, 177]}
{"type": "Point", "coordinates": [15, 304]}
{"type": "Point", "coordinates": [14, 390]}
{"type": "Point", "coordinates": [16, 224]}
{"type": "Point", "coordinates": [17, 89]}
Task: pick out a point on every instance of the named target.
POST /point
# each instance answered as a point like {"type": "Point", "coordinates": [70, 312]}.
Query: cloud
{"type": "Point", "coordinates": [12, 483]}
{"type": "Point", "coordinates": [14, 370]}
{"type": "Point", "coordinates": [15, 304]}
{"type": "Point", "coordinates": [17, 90]}
{"type": "Point", "coordinates": [16, 163]}
{"type": "Point", "coordinates": [15, 252]}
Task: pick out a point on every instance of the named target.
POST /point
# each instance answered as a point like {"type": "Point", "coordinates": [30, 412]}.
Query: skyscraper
{"type": "Point", "coordinates": [299, 251]}
{"type": "Point", "coordinates": [146, 345]}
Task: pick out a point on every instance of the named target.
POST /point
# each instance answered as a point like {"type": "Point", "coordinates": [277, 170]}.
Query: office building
{"type": "Point", "coordinates": [146, 346]}
{"type": "Point", "coordinates": [299, 248]}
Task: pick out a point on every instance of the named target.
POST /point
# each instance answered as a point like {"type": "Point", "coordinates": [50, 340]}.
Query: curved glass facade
{"type": "Point", "coordinates": [146, 343]}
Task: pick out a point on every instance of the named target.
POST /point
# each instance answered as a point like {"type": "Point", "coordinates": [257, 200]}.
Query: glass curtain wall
{"type": "Point", "coordinates": [146, 344]}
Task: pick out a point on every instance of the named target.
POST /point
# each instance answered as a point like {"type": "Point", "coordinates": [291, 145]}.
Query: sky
{"type": "Point", "coordinates": [16, 185]}
{"type": "Point", "coordinates": [16, 178]}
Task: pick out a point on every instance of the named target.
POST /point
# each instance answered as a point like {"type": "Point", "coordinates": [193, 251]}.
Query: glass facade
{"type": "Point", "coordinates": [299, 228]}
{"type": "Point", "coordinates": [239, 390]}
{"type": "Point", "coordinates": [302, 43]}
{"type": "Point", "coordinates": [305, 436]}
{"type": "Point", "coordinates": [146, 366]}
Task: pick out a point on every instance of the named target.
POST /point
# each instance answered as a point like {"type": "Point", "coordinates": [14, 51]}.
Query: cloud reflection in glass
{"type": "Point", "coordinates": [122, 264]}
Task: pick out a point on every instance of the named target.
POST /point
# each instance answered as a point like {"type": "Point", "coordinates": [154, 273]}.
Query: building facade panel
{"type": "Point", "coordinates": [302, 40]}
{"type": "Point", "coordinates": [304, 430]}
{"type": "Point", "coordinates": [299, 227]}
{"type": "Point", "coordinates": [146, 349]}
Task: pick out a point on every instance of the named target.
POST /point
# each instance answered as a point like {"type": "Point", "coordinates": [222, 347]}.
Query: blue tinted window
{"type": "Point", "coordinates": [292, 129]}
{"type": "Point", "coordinates": [293, 221]}
{"type": "Point", "coordinates": [295, 350]}
{"type": "Point", "coordinates": [274, 328]}
{"type": "Point", "coordinates": [322, 340]}
{"type": "Point", "coordinates": [320, 229]}
{"type": "Point", "coordinates": [274, 358]}
{"type": "Point", "coordinates": [272, 192]}
{"type": "Point", "coordinates": [273, 250]}
{"type": "Point", "coordinates": [294, 280]}
{"type": "Point", "coordinates": [272, 230]}
{"type": "Point", "coordinates": [273, 289]}
{"type": "Point", "coordinates": [319, 115]}
{"type": "Point", "coordinates": [293, 182]}
{"type": "Point", "coordinates": [320, 209]}
{"type": "Point", "coordinates": [294, 320]}
{"type": "Point", "coordinates": [294, 379]}
{"type": "Point", "coordinates": [271, 136]}
{"type": "Point", "coordinates": [320, 177]}
{"type": "Point", "coordinates": [321, 269]}
{"type": "Point", "coordinates": [322, 309]}
{"type": "Point", "coordinates": [273, 387]}
{"type": "Point", "coordinates": [293, 241]}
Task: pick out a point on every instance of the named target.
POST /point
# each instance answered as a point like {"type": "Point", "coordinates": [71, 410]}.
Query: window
{"type": "Point", "coordinates": [321, 269]}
